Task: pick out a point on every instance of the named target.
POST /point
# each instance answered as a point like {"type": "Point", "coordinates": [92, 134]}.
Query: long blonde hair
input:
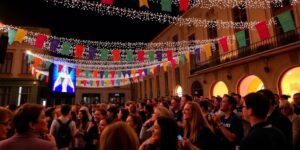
{"type": "Point", "coordinates": [119, 136]}
{"type": "Point", "coordinates": [194, 124]}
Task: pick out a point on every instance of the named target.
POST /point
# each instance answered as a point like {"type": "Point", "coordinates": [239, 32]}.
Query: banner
{"type": "Point", "coordinates": [241, 38]}
{"type": "Point", "coordinates": [40, 40]}
{"type": "Point", "coordinates": [20, 35]}
{"type": "Point", "coordinates": [262, 30]}
{"type": "Point", "coordinates": [166, 5]}
{"type": "Point", "coordinates": [183, 5]}
{"type": "Point", "coordinates": [207, 49]}
{"type": "Point", "coordinates": [286, 21]}
{"type": "Point", "coordinates": [104, 54]}
{"type": "Point", "coordinates": [223, 42]}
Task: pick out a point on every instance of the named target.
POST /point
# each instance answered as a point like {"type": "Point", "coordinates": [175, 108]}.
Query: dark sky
{"type": "Point", "coordinates": [74, 23]}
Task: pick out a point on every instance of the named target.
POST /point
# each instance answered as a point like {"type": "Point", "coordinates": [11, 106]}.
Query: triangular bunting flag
{"type": "Point", "coordinates": [173, 63]}
{"type": "Point", "coordinates": [11, 35]}
{"type": "Point", "coordinates": [95, 73]}
{"type": "Point", "coordinates": [47, 64]}
{"type": "Point", "coordinates": [60, 67]}
{"type": "Point", "coordinates": [84, 82]}
{"type": "Point", "coordinates": [108, 2]}
{"type": "Point", "coordinates": [112, 82]}
{"type": "Point", "coordinates": [106, 73]}
{"type": "Point", "coordinates": [169, 55]}
{"type": "Point", "coordinates": [286, 21]}
{"type": "Point", "coordinates": [78, 71]}
{"type": "Point", "coordinates": [92, 51]}
{"type": "Point", "coordinates": [40, 40]}
{"type": "Point", "coordinates": [104, 54]}
{"type": "Point", "coordinates": [159, 55]}
{"type": "Point", "coordinates": [241, 38]}
{"type": "Point", "coordinates": [183, 5]}
{"type": "Point", "coordinates": [20, 35]}
{"type": "Point", "coordinates": [66, 48]}
{"type": "Point", "coordinates": [112, 73]}
{"type": "Point", "coordinates": [182, 59]}
{"type": "Point", "coordinates": [79, 51]}
{"type": "Point", "coordinates": [129, 56]}
{"type": "Point", "coordinates": [144, 3]}
{"type": "Point", "coordinates": [263, 30]}
{"type": "Point", "coordinates": [207, 49]}
{"type": "Point", "coordinates": [87, 73]}
{"type": "Point", "coordinates": [101, 74]}
{"type": "Point", "coordinates": [166, 5]}
{"type": "Point", "coordinates": [151, 55]}
{"type": "Point", "coordinates": [140, 55]}
{"type": "Point", "coordinates": [54, 44]}
{"type": "Point", "coordinates": [187, 56]}
{"type": "Point", "coordinates": [119, 73]}
{"type": "Point", "coordinates": [224, 44]}
{"type": "Point", "coordinates": [116, 55]}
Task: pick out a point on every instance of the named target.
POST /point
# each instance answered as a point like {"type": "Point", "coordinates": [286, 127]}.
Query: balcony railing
{"type": "Point", "coordinates": [253, 49]}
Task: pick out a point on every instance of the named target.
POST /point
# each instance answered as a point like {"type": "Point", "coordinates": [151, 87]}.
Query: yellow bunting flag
{"type": "Point", "coordinates": [78, 83]}
{"type": "Point", "coordinates": [207, 49]}
{"type": "Point", "coordinates": [20, 35]}
{"type": "Point", "coordinates": [165, 67]}
{"type": "Point", "coordinates": [107, 82]}
{"type": "Point", "coordinates": [144, 3]}
{"type": "Point", "coordinates": [133, 71]}
{"type": "Point", "coordinates": [187, 57]}
{"type": "Point", "coordinates": [37, 75]}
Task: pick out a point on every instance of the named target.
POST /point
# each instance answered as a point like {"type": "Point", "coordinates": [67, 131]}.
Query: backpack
{"type": "Point", "coordinates": [63, 136]}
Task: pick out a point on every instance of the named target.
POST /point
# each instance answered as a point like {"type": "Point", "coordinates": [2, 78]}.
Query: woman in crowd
{"type": "Point", "coordinates": [135, 122]}
{"type": "Point", "coordinates": [30, 123]}
{"type": "Point", "coordinates": [81, 125]}
{"type": "Point", "coordinates": [197, 134]}
{"type": "Point", "coordinates": [103, 123]}
{"type": "Point", "coordinates": [119, 136]}
{"type": "Point", "coordinates": [123, 114]}
{"type": "Point", "coordinates": [5, 121]}
{"type": "Point", "coordinates": [287, 110]}
{"type": "Point", "coordinates": [164, 135]}
{"type": "Point", "coordinates": [92, 136]}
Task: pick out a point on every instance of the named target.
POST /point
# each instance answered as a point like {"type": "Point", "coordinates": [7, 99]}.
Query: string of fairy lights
{"type": "Point", "coordinates": [177, 20]}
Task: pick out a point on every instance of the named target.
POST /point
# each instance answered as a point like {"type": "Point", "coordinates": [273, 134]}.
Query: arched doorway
{"type": "Point", "coordinates": [290, 82]}
{"type": "Point", "coordinates": [197, 88]}
{"type": "Point", "coordinates": [178, 90]}
{"type": "Point", "coordinates": [219, 89]}
{"type": "Point", "coordinates": [250, 84]}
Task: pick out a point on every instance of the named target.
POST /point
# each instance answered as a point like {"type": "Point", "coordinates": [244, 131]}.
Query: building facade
{"type": "Point", "coordinates": [273, 63]}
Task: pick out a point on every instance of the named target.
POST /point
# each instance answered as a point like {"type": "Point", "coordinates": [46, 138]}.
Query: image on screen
{"type": "Point", "coordinates": [63, 79]}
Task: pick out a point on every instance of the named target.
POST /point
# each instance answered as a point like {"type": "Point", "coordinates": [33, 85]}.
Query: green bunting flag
{"type": "Point", "coordinates": [87, 73]}
{"type": "Point", "coordinates": [241, 38]}
{"type": "Point", "coordinates": [151, 55]}
{"type": "Point", "coordinates": [30, 59]}
{"type": "Point", "coordinates": [47, 64]}
{"type": "Point", "coordinates": [166, 5]}
{"type": "Point", "coordinates": [119, 73]}
{"type": "Point", "coordinates": [106, 73]}
{"type": "Point", "coordinates": [104, 54]}
{"type": "Point", "coordinates": [91, 82]}
{"type": "Point", "coordinates": [182, 58]}
{"type": "Point", "coordinates": [62, 79]}
{"type": "Point", "coordinates": [42, 77]}
{"type": "Point", "coordinates": [286, 21]}
{"type": "Point", "coordinates": [66, 48]}
{"type": "Point", "coordinates": [129, 56]}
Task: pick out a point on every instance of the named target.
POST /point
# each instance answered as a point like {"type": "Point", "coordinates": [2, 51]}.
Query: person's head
{"type": "Point", "coordinates": [160, 111]}
{"type": "Point", "coordinates": [65, 109]}
{"type": "Point", "coordinates": [112, 112]}
{"type": "Point", "coordinates": [238, 98]}
{"type": "Point", "coordinates": [193, 120]}
{"type": "Point", "coordinates": [132, 108]}
{"type": "Point", "coordinates": [165, 130]}
{"type": "Point", "coordinates": [256, 105]}
{"type": "Point", "coordinates": [217, 102]}
{"type": "Point", "coordinates": [284, 97]}
{"type": "Point", "coordinates": [276, 96]}
{"type": "Point", "coordinates": [30, 118]}
{"type": "Point", "coordinates": [269, 95]}
{"type": "Point", "coordinates": [286, 108]}
{"type": "Point", "coordinates": [83, 116]}
{"type": "Point", "coordinates": [123, 114]}
{"type": "Point", "coordinates": [119, 136]}
{"type": "Point", "coordinates": [296, 98]}
{"type": "Point", "coordinates": [12, 107]}
{"type": "Point", "coordinates": [148, 109]}
{"type": "Point", "coordinates": [97, 115]}
{"type": "Point", "coordinates": [228, 103]}
{"type": "Point", "coordinates": [135, 122]}
{"type": "Point", "coordinates": [175, 103]}
{"type": "Point", "coordinates": [204, 105]}
{"type": "Point", "coordinates": [103, 123]}
{"type": "Point", "coordinates": [5, 120]}
{"type": "Point", "coordinates": [184, 99]}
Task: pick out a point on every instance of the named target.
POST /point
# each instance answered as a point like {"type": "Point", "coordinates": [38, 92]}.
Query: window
{"type": "Point", "coordinates": [4, 95]}
{"type": "Point", "coordinates": [25, 66]}
{"type": "Point", "coordinates": [157, 86]}
{"type": "Point", "coordinates": [24, 95]}
{"type": "Point", "coordinates": [239, 14]}
{"type": "Point", "coordinates": [6, 67]}
{"type": "Point", "coordinates": [166, 84]}
{"type": "Point", "coordinates": [90, 98]}
{"type": "Point", "coordinates": [177, 76]}
{"type": "Point", "coordinates": [151, 92]}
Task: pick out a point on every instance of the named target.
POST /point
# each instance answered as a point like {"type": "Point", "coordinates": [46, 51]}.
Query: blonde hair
{"type": "Point", "coordinates": [119, 136]}
{"type": "Point", "coordinates": [163, 112]}
{"type": "Point", "coordinates": [195, 123]}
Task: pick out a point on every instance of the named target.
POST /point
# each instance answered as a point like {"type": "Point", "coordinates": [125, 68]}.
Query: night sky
{"type": "Point", "coordinates": [75, 23]}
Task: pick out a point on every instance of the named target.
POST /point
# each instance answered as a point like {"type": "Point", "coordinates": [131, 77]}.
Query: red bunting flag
{"type": "Point", "coordinates": [78, 72]}
{"type": "Point", "coordinates": [47, 79]}
{"type": "Point", "coordinates": [183, 5]}
{"type": "Point", "coordinates": [95, 73]}
{"type": "Point", "coordinates": [169, 55]}
{"type": "Point", "coordinates": [37, 62]}
{"type": "Point", "coordinates": [97, 82]}
{"type": "Point", "coordinates": [140, 73]}
{"type": "Point", "coordinates": [79, 51]}
{"type": "Point", "coordinates": [60, 67]}
{"type": "Point", "coordinates": [262, 30]}
{"type": "Point", "coordinates": [173, 63]}
{"type": "Point", "coordinates": [140, 56]}
{"type": "Point", "coordinates": [84, 82]}
{"type": "Point", "coordinates": [40, 40]}
{"type": "Point", "coordinates": [108, 2]}
{"type": "Point", "coordinates": [116, 55]}
{"type": "Point", "coordinates": [112, 82]}
{"type": "Point", "coordinates": [224, 44]}
{"type": "Point", "coordinates": [112, 73]}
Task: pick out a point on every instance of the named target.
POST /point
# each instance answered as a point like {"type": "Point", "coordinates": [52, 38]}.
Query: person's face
{"type": "Point", "coordinates": [41, 125]}
{"type": "Point", "coordinates": [130, 122]}
{"type": "Point", "coordinates": [174, 104]}
{"type": "Point", "coordinates": [224, 104]}
{"type": "Point", "coordinates": [102, 125]}
{"type": "Point", "coordinates": [285, 110]}
{"type": "Point", "coordinates": [187, 112]}
{"type": "Point", "coordinates": [97, 116]}
{"type": "Point", "coordinates": [296, 99]}
{"type": "Point", "coordinates": [182, 102]}
{"type": "Point", "coordinates": [245, 111]}
{"type": "Point", "coordinates": [79, 116]}
{"type": "Point", "coordinates": [120, 115]}
{"type": "Point", "coordinates": [156, 134]}
{"type": "Point", "coordinates": [4, 127]}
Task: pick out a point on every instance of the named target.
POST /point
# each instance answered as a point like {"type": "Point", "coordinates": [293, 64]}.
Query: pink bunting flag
{"type": "Point", "coordinates": [108, 2]}
{"type": "Point", "coordinates": [140, 56]}
{"type": "Point", "coordinates": [173, 63]}
{"type": "Point", "coordinates": [262, 30]}
{"type": "Point", "coordinates": [183, 5]}
{"type": "Point", "coordinates": [224, 44]}
{"type": "Point", "coordinates": [40, 40]}
{"type": "Point", "coordinates": [112, 73]}
{"type": "Point", "coordinates": [112, 82]}
{"type": "Point", "coordinates": [169, 55]}
{"type": "Point", "coordinates": [60, 67]}
{"type": "Point", "coordinates": [140, 73]}
{"type": "Point", "coordinates": [47, 79]}
{"type": "Point", "coordinates": [97, 82]}
{"type": "Point", "coordinates": [79, 51]}
{"type": "Point", "coordinates": [84, 82]}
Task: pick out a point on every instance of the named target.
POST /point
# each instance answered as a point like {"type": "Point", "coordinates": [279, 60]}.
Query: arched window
{"type": "Point", "coordinates": [219, 89]}
{"type": "Point", "coordinates": [290, 82]}
{"type": "Point", "coordinates": [250, 84]}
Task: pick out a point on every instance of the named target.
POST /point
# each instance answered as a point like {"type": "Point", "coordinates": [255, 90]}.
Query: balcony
{"type": "Point", "coordinates": [257, 48]}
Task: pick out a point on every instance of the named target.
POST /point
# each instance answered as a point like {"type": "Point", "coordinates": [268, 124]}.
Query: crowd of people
{"type": "Point", "coordinates": [260, 120]}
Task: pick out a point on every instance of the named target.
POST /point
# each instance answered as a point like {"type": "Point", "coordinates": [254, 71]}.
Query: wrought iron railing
{"type": "Point", "coordinates": [253, 49]}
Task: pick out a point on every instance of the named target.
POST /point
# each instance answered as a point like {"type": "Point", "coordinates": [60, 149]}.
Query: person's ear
{"type": "Point", "coordinates": [31, 125]}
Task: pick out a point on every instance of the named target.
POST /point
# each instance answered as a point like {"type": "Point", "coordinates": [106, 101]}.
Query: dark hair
{"type": "Point", "coordinates": [114, 111]}
{"type": "Point", "coordinates": [65, 109]}
{"type": "Point", "coordinates": [188, 97]}
{"type": "Point", "coordinates": [168, 132]}
{"type": "Point", "coordinates": [26, 114]}
{"type": "Point", "coordinates": [231, 101]}
{"type": "Point", "coordinates": [204, 104]}
{"type": "Point", "coordinates": [176, 98]}
{"type": "Point", "coordinates": [238, 95]}
{"type": "Point", "coordinates": [269, 94]}
{"type": "Point", "coordinates": [259, 104]}
{"type": "Point", "coordinates": [12, 107]}
{"type": "Point", "coordinates": [165, 104]}
{"type": "Point", "coordinates": [85, 119]}
{"type": "Point", "coordinates": [137, 120]}
{"type": "Point", "coordinates": [124, 114]}
{"type": "Point", "coordinates": [149, 108]}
